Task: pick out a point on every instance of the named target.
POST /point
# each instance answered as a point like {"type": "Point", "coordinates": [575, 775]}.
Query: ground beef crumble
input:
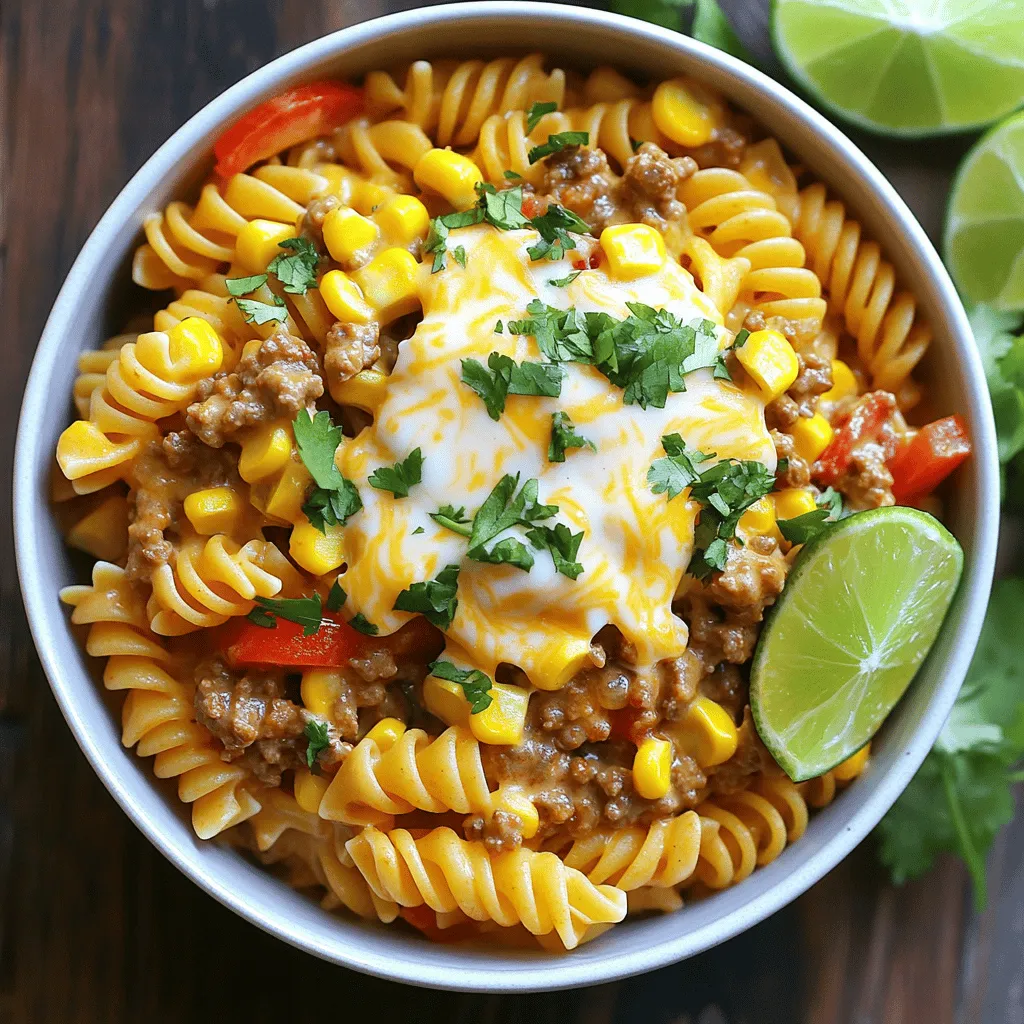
{"type": "Point", "coordinates": [275, 381]}
{"type": "Point", "coordinates": [866, 482]}
{"type": "Point", "coordinates": [349, 348]}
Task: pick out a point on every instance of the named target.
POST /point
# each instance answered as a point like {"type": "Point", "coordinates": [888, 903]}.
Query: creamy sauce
{"type": "Point", "coordinates": [636, 544]}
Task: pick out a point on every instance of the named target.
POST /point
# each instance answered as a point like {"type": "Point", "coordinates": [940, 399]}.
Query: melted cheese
{"type": "Point", "coordinates": [636, 544]}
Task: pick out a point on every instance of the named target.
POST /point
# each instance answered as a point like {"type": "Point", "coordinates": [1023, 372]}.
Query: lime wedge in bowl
{"type": "Point", "coordinates": [860, 610]}
{"type": "Point", "coordinates": [984, 236]}
{"type": "Point", "coordinates": [906, 67]}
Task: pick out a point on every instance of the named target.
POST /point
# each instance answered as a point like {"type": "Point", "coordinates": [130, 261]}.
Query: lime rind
{"type": "Point", "coordinates": [983, 238]}
{"type": "Point", "coordinates": [857, 617]}
{"type": "Point", "coordinates": [950, 45]}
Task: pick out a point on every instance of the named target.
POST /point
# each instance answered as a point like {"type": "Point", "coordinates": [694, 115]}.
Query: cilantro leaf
{"type": "Point", "coordinates": [297, 272]}
{"type": "Point", "coordinates": [491, 387]}
{"type": "Point", "coordinates": [511, 175]}
{"type": "Point", "coordinates": [556, 143]}
{"type": "Point", "coordinates": [318, 439]}
{"type": "Point", "coordinates": [800, 529]}
{"type": "Point", "coordinates": [677, 470]}
{"type": "Point", "coordinates": [434, 599]}
{"type": "Point", "coordinates": [325, 508]}
{"type": "Point", "coordinates": [563, 335]}
{"type": "Point", "coordinates": [318, 739]}
{"type": "Point", "coordinates": [563, 545]}
{"type": "Point", "coordinates": [563, 282]}
{"type": "Point", "coordinates": [258, 617]}
{"type": "Point", "coordinates": [563, 436]}
{"type": "Point", "coordinates": [556, 227]}
{"type": "Point", "coordinates": [239, 286]}
{"type": "Point", "coordinates": [337, 597]}
{"type": "Point", "coordinates": [741, 338]}
{"type": "Point", "coordinates": [362, 624]}
{"type": "Point", "coordinates": [452, 518]}
{"type": "Point", "coordinates": [400, 477]}
{"type": "Point", "coordinates": [504, 507]}
{"type": "Point", "coordinates": [536, 113]}
{"type": "Point", "coordinates": [260, 313]}
{"type": "Point", "coordinates": [475, 685]}
{"type": "Point", "coordinates": [459, 255]}
{"type": "Point", "coordinates": [508, 551]}
{"type": "Point", "coordinates": [306, 612]}
{"type": "Point", "coordinates": [505, 377]}
{"type": "Point", "coordinates": [504, 209]}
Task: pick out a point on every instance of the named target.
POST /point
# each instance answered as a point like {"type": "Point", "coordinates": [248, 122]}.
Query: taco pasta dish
{"type": "Point", "coordinates": [436, 509]}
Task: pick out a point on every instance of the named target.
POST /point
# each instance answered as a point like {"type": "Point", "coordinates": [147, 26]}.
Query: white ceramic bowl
{"type": "Point", "coordinates": [86, 312]}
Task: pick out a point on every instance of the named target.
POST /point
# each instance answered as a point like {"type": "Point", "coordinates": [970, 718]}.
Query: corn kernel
{"type": "Point", "coordinates": [557, 664]}
{"type": "Point", "coordinates": [288, 493]}
{"type": "Point", "coordinates": [811, 436]}
{"type": "Point", "coordinates": [503, 721]}
{"type": "Point", "coordinates": [844, 383]}
{"type": "Point", "coordinates": [386, 733]}
{"type": "Point", "coordinates": [515, 801]}
{"type": "Point", "coordinates": [214, 510]}
{"type": "Point", "coordinates": [347, 234]}
{"type": "Point", "coordinates": [321, 688]}
{"type": "Point", "coordinates": [652, 768]}
{"type": "Point", "coordinates": [449, 174]}
{"type": "Point", "coordinates": [309, 790]}
{"type": "Point", "coordinates": [318, 553]}
{"type": "Point", "coordinates": [633, 250]}
{"type": "Point", "coordinates": [793, 501]}
{"type": "Point", "coordinates": [390, 284]}
{"type": "Point", "coordinates": [264, 453]}
{"type": "Point", "coordinates": [403, 219]}
{"type": "Point", "coordinates": [194, 343]}
{"type": "Point", "coordinates": [445, 700]}
{"type": "Point", "coordinates": [257, 243]}
{"type": "Point", "coordinates": [680, 115]}
{"type": "Point", "coordinates": [759, 519]}
{"type": "Point", "coordinates": [770, 362]}
{"type": "Point", "coordinates": [366, 390]}
{"type": "Point", "coordinates": [710, 731]}
{"type": "Point", "coordinates": [853, 765]}
{"type": "Point", "coordinates": [344, 299]}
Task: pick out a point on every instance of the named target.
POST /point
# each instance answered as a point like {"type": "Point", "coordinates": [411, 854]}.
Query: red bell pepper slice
{"type": "Point", "coordinates": [245, 643]}
{"type": "Point", "coordinates": [866, 420]}
{"type": "Point", "coordinates": [920, 465]}
{"type": "Point", "coordinates": [296, 115]}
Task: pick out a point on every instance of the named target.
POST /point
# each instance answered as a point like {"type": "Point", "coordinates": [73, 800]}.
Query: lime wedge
{"type": "Point", "coordinates": [906, 67]}
{"type": "Point", "coordinates": [859, 612]}
{"type": "Point", "coordinates": [984, 238]}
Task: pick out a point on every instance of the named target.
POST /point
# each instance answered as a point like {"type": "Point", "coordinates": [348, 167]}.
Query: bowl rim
{"type": "Point", "coordinates": [488, 974]}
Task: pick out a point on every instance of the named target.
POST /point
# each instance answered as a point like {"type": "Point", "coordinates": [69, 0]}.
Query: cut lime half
{"type": "Point", "coordinates": [984, 237]}
{"type": "Point", "coordinates": [906, 67]}
{"type": "Point", "coordinates": [859, 612]}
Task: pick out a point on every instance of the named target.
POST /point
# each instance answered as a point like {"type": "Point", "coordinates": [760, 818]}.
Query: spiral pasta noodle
{"type": "Point", "coordinates": [446, 873]}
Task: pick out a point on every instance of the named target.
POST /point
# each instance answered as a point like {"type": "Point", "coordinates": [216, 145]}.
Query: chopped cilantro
{"type": "Point", "coordinates": [635, 144]}
{"type": "Point", "coordinates": [297, 272]}
{"type": "Point", "coordinates": [400, 477]}
{"type": "Point", "coordinates": [362, 624]}
{"type": "Point", "coordinates": [306, 612]}
{"type": "Point", "coordinates": [337, 597]}
{"type": "Point", "coordinates": [503, 209]}
{"type": "Point", "coordinates": [556, 227]}
{"type": "Point", "coordinates": [741, 338]}
{"type": "Point", "coordinates": [556, 143]}
{"type": "Point", "coordinates": [509, 551]}
{"type": "Point", "coordinates": [534, 115]}
{"type": "Point", "coordinates": [325, 508]}
{"type": "Point", "coordinates": [459, 255]}
{"type": "Point", "coordinates": [563, 282]}
{"type": "Point", "coordinates": [419, 529]}
{"type": "Point", "coordinates": [239, 286]}
{"type": "Point", "coordinates": [475, 685]}
{"type": "Point", "coordinates": [499, 327]}
{"type": "Point", "coordinates": [452, 518]}
{"type": "Point", "coordinates": [511, 175]}
{"type": "Point", "coordinates": [434, 599]}
{"type": "Point", "coordinates": [503, 377]}
{"type": "Point", "coordinates": [800, 529]}
{"type": "Point", "coordinates": [335, 498]}
{"type": "Point", "coordinates": [260, 313]}
{"type": "Point", "coordinates": [318, 739]}
{"type": "Point", "coordinates": [563, 545]}
{"type": "Point", "coordinates": [563, 436]}
{"type": "Point", "coordinates": [504, 507]}
{"type": "Point", "coordinates": [677, 470]}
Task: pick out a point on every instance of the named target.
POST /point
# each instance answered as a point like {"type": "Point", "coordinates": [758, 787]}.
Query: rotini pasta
{"type": "Point", "coordinates": [412, 423]}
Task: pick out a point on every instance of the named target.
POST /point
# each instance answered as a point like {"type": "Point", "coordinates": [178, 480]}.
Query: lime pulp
{"type": "Point", "coordinates": [860, 610]}
{"type": "Point", "coordinates": [906, 67]}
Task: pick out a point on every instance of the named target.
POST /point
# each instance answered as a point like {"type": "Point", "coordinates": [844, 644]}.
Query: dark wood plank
{"type": "Point", "coordinates": [94, 924]}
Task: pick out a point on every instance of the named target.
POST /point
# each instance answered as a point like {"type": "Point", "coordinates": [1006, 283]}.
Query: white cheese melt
{"type": "Point", "coordinates": [636, 544]}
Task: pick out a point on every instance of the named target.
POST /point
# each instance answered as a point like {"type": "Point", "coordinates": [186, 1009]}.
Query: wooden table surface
{"type": "Point", "coordinates": [95, 926]}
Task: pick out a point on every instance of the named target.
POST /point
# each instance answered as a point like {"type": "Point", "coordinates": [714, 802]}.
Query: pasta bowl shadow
{"type": "Point", "coordinates": [81, 318]}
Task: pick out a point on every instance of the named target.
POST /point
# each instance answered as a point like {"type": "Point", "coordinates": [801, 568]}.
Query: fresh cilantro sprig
{"type": "Point", "coordinates": [296, 268]}
{"type": "Point", "coordinates": [503, 376]}
{"type": "Point", "coordinates": [506, 506]}
{"type": "Point", "coordinates": [335, 498]}
{"type": "Point", "coordinates": [565, 436]}
{"type": "Point", "coordinates": [361, 624]}
{"type": "Point", "coordinates": [454, 519]}
{"type": "Point", "coordinates": [259, 313]}
{"type": "Point", "coordinates": [562, 544]}
{"type": "Point", "coordinates": [564, 282]}
{"type": "Point", "coordinates": [239, 286]}
{"type": "Point", "coordinates": [434, 599]}
{"type": "Point", "coordinates": [336, 597]}
{"type": "Point", "coordinates": [961, 795]}
{"type": "Point", "coordinates": [556, 143]}
{"type": "Point", "coordinates": [475, 685]}
{"type": "Point", "coordinates": [536, 113]}
{"type": "Point", "coordinates": [800, 529]}
{"type": "Point", "coordinates": [401, 476]}
{"type": "Point", "coordinates": [672, 474]}
{"type": "Point", "coordinates": [318, 739]}
{"type": "Point", "coordinates": [556, 227]}
{"type": "Point", "coordinates": [307, 612]}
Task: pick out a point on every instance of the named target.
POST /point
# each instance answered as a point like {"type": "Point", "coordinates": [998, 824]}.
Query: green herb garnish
{"type": "Point", "coordinates": [335, 498]}
{"type": "Point", "coordinates": [672, 474]}
{"type": "Point", "coordinates": [362, 624]}
{"type": "Point", "coordinates": [556, 143]}
{"type": "Point", "coordinates": [297, 272]}
{"type": "Point", "coordinates": [400, 477]}
{"type": "Point", "coordinates": [239, 286]}
{"type": "Point", "coordinates": [306, 612]}
{"type": "Point", "coordinates": [337, 597]}
{"type": "Point", "coordinates": [260, 313]}
{"type": "Point", "coordinates": [434, 599]}
{"type": "Point", "coordinates": [454, 519]}
{"type": "Point", "coordinates": [563, 436]}
{"type": "Point", "coordinates": [503, 376]}
{"type": "Point", "coordinates": [534, 115]}
{"type": "Point", "coordinates": [318, 739]}
{"type": "Point", "coordinates": [563, 545]}
{"type": "Point", "coordinates": [475, 685]}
